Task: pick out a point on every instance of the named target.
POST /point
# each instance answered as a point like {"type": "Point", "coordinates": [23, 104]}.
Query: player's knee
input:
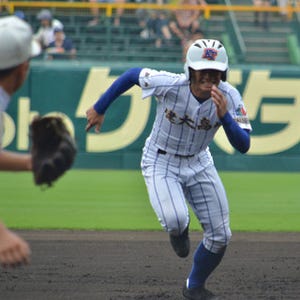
{"type": "Point", "coordinates": [177, 224]}
{"type": "Point", "coordinates": [217, 241]}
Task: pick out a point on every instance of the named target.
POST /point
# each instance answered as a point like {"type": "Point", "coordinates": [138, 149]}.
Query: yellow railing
{"type": "Point", "coordinates": [108, 7]}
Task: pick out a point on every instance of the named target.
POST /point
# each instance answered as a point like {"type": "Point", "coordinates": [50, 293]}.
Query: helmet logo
{"type": "Point", "coordinates": [210, 54]}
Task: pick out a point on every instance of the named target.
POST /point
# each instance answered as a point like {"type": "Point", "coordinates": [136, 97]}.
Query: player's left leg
{"type": "Point", "coordinates": [208, 200]}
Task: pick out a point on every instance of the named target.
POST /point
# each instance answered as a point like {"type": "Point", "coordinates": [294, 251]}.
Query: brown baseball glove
{"type": "Point", "coordinates": [53, 149]}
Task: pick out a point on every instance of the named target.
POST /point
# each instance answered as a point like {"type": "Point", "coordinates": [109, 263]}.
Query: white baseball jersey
{"type": "Point", "coordinates": [177, 164]}
{"type": "Point", "coordinates": [182, 124]}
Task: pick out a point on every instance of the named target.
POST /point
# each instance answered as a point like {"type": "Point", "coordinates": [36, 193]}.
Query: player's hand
{"type": "Point", "coordinates": [220, 101]}
{"type": "Point", "coordinates": [14, 251]}
{"type": "Point", "coordinates": [94, 119]}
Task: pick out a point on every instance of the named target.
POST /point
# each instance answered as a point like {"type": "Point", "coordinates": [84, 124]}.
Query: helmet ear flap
{"type": "Point", "coordinates": [224, 75]}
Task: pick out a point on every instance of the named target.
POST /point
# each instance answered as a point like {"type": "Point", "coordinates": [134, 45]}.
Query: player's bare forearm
{"type": "Point", "coordinates": [94, 119]}
{"type": "Point", "coordinates": [13, 161]}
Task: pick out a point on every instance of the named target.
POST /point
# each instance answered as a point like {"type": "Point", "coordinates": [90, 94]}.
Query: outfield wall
{"type": "Point", "coordinates": [271, 95]}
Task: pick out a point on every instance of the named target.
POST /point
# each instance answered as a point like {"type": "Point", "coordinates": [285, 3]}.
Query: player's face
{"type": "Point", "coordinates": [45, 23]}
{"type": "Point", "coordinates": [203, 81]}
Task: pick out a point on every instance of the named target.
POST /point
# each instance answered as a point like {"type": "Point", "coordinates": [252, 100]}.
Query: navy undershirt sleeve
{"type": "Point", "coordinates": [127, 80]}
{"type": "Point", "coordinates": [239, 138]}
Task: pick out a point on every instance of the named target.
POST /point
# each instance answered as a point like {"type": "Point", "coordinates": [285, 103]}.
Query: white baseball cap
{"type": "Point", "coordinates": [16, 42]}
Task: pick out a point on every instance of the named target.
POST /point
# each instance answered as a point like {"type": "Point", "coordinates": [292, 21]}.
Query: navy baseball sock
{"type": "Point", "coordinates": [204, 263]}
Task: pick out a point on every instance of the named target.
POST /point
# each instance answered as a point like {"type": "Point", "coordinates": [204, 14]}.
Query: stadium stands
{"type": "Point", "coordinates": [264, 46]}
{"type": "Point", "coordinates": [246, 42]}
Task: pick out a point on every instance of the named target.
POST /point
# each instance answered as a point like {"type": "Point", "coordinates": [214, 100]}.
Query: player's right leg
{"type": "Point", "coordinates": [168, 200]}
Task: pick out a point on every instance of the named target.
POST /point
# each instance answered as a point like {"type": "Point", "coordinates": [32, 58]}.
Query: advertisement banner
{"type": "Point", "coordinates": [271, 96]}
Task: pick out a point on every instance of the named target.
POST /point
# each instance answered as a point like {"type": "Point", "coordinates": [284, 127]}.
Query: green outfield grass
{"type": "Point", "coordinates": [117, 200]}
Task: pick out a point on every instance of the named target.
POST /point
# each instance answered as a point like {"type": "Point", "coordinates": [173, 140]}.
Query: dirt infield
{"type": "Point", "coordinates": [101, 265]}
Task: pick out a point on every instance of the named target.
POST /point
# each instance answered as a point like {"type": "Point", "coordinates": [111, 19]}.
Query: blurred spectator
{"type": "Point", "coordinates": [45, 33]}
{"type": "Point", "coordinates": [186, 22]}
{"type": "Point", "coordinates": [143, 15]}
{"type": "Point", "coordinates": [264, 20]}
{"type": "Point", "coordinates": [119, 13]}
{"type": "Point", "coordinates": [283, 5]}
{"type": "Point", "coordinates": [20, 14]}
{"type": "Point", "coordinates": [159, 26]}
{"type": "Point", "coordinates": [197, 35]}
{"type": "Point", "coordinates": [155, 24]}
{"type": "Point", "coordinates": [62, 47]}
{"type": "Point", "coordinates": [95, 12]}
{"type": "Point", "coordinates": [96, 15]}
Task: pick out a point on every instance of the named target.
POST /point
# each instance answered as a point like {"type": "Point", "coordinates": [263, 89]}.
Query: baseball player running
{"type": "Point", "coordinates": [176, 164]}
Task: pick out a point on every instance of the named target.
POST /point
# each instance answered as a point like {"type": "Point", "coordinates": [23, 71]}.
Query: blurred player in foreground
{"type": "Point", "coordinates": [16, 49]}
{"type": "Point", "coordinates": [177, 165]}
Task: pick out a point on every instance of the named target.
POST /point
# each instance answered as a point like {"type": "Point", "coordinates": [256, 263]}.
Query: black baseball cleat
{"type": "Point", "coordinates": [200, 293]}
{"type": "Point", "coordinates": [181, 243]}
